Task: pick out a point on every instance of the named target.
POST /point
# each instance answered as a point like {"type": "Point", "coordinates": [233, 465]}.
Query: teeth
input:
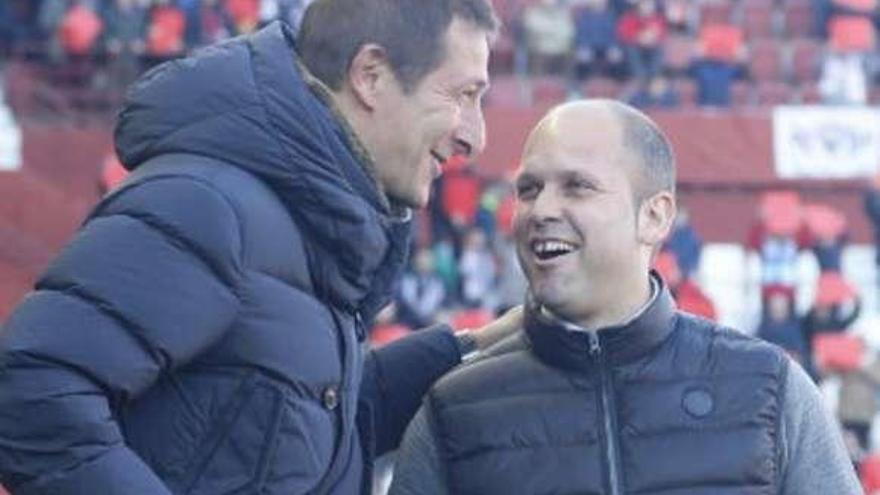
{"type": "Point", "coordinates": [553, 246]}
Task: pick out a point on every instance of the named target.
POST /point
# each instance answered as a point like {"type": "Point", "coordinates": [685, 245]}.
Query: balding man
{"type": "Point", "coordinates": [608, 389]}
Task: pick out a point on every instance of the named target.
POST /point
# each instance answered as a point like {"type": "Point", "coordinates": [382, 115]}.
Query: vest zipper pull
{"type": "Point", "coordinates": [595, 348]}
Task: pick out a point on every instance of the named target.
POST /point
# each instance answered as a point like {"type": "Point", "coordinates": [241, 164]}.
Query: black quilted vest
{"type": "Point", "coordinates": [667, 404]}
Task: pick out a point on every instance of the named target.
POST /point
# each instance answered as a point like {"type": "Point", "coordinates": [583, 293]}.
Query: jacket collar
{"type": "Point", "coordinates": [562, 345]}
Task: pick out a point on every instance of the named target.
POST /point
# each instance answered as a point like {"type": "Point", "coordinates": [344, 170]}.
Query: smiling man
{"type": "Point", "coordinates": [204, 332]}
{"type": "Point", "coordinates": [608, 389]}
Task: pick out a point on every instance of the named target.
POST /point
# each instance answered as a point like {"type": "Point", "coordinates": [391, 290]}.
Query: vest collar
{"type": "Point", "coordinates": [560, 345]}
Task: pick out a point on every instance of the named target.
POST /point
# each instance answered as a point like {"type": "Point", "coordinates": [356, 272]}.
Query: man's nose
{"type": "Point", "coordinates": [470, 137]}
{"type": "Point", "coordinates": [547, 206]}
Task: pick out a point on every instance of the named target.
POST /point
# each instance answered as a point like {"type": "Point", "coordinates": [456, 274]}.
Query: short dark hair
{"type": "Point", "coordinates": [411, 31]}
{"type": "Point", "coordinates": [646, 141]}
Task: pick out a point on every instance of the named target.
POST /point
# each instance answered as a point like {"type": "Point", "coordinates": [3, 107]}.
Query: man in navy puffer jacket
{"type": "Point", "coordinates": [204, 331]}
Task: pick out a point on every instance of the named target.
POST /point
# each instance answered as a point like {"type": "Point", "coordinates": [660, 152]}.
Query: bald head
{"type": "Point", "coordinates": [637, 140]}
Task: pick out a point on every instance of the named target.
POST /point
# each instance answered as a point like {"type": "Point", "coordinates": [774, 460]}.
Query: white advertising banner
{"type": "Point", "coordinates": [10, 140]}
{"type": "Point", "coordinates": [814, 142]}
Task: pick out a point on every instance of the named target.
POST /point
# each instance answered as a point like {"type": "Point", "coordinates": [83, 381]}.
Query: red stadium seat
{"type": "Point", "coordinates": [837, 352]}
{"type": "Point", "coordinates": [833, 289]}
{"type": "Point", "coordinates": [765, 61]}
{"type": "Point", "coordinates": [851, 33]}
{"type": "Point", "coordinates": [79, 30]}
{"type": "Point", "coordinates": [759, 19]}
{"type": "Point", "coordinates": [780, 212]}
{"type": "Point", "coordinates": [869, 472]}
{"type": "Point", "coordinates": [471, 319]}
{"type": "Point", "coordinates": [824, 222]}
{"type": "Point", "coordinates": [798, 19]}
{"type": "Point", "coordinates": [715, 12]}
{"type": "Point", "coordinates": [806, 59]}
{"type": "Point", "coordinates": [721, 41]}
{"type": "Point", "coordinates": [385, 334]}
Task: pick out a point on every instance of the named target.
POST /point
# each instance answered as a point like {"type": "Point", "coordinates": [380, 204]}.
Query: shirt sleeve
{"type": "Point", "coordinates": [419, 469]}
{"type": "Point", "coordinates": [814, 458]}
{"type": "Point", "coordinates": [397, 375]}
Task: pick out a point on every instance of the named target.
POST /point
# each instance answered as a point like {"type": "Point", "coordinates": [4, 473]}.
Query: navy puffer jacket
{"type": "Point", "coordinates": [203, 333]}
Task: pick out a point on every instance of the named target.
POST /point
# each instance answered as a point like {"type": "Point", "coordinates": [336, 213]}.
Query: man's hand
{"type": "Point", "coordinates": [494, 332]}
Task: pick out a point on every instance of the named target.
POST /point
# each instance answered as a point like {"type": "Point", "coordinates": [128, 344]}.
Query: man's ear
{"type": "Point", "coordinates": [368, 74]}
{"type": "Point", "coordinates": [656, 215]}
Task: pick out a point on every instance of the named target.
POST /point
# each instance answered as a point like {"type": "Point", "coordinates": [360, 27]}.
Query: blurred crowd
{"type": "Point", "coordinates": [669, 53]}
{"type": "Point", "coordinates": [652, 53]}
{"type": "Point", "coordinates": [110, 42]}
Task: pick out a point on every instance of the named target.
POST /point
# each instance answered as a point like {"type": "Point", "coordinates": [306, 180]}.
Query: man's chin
{"type": "Point", "coordinates": [416, 202]}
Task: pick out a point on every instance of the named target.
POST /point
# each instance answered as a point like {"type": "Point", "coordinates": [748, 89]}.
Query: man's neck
{"type": "Point", "coordinates": [621, 318]}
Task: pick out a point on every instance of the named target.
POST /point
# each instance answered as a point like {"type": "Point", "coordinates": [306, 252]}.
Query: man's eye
{"type": "Point", "coordinates": [526, 190]}
{"type": "Point", "coordinates": [580, 185]}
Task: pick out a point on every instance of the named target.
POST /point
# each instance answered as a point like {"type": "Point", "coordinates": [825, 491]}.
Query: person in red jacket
{"type": "Point", "coordinates": [641, 31]}
{"type": "Point", "coordinates": [165, 32]}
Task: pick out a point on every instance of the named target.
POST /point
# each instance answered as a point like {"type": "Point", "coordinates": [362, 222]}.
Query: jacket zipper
{"type": "Point", "coordinates": [608, 412]}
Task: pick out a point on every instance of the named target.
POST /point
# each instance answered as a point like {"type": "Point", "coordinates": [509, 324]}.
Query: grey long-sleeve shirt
{"type": "Point", "coordinates": [814, 459]}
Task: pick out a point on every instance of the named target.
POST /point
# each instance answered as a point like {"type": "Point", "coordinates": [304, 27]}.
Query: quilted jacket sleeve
{"type": "Point", "coordinates": [147, 283]}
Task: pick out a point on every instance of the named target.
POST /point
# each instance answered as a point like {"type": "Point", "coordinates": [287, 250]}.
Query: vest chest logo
{"type": "Point", "coordinates": [698, 402]}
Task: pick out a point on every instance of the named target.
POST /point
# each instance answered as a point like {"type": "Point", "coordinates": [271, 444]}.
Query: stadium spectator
{"type": "Point", "coordinates": [209, 24]}
{"type": "Point", "coordinates": [446, 266]}
{"type": "Point", "coordinates": [596, 49]}
{"type": "Point", "coordinates": [125, 33]}
{"type": "Point", "coordinates": [478, 272]}
{"type": "Point", "coordinates": [826, 228]}
{"type": "Point", "coordinates": [17, 24]}
{"type": "Point", "coordinates": [125, 22]}
{"type": "Point", "coordinates": [421, 292]}
{"type": "Point", "coordinates": [714, 70]}
{"type": "Point", "coordinates": [549, 31]}
{"type": "Point", "coordinates": [836, 307]}
{"type": "Point", "coordinates": [777, 237]}
{"type": "Point", "coordinates": [844, 78]}
{"type": "Point", "coordinates": [461, 191]}
{"type": "Point", "coordinates": [642, 30]}
{"type": "Point", "coordinates": [781, 325]}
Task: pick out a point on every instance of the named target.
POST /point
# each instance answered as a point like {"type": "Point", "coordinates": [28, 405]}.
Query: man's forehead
{"type": "Point", "coordinates": [466, 54]}
{"type": "Point", "coordinates": [578, 140]}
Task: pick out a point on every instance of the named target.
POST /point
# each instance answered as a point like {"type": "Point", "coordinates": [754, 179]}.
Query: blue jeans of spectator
{"type": "Point", "coordinates": [644, 62]}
